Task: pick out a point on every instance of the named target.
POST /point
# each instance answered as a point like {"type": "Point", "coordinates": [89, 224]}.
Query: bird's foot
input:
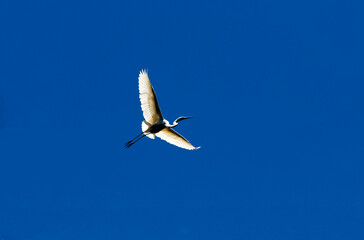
{"type": "Point", "coordinates": [128, 144]}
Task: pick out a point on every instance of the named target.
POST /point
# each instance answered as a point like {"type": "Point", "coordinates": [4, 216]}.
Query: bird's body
{"type": "Point", "coordinates": [154, 123]}
{"type": "Point", "coordinates": [157, 127]}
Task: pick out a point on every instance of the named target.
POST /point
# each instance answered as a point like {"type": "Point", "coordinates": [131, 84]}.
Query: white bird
{"type": "Point", "coordinates": [154, 123]}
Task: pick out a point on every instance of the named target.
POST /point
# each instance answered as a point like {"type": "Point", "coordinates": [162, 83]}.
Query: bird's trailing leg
{"type": "Point", "coordinates": [134, 140]}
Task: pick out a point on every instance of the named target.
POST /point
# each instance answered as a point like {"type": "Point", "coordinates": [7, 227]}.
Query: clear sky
{"type": "Point", "coordinates": [275, 88]}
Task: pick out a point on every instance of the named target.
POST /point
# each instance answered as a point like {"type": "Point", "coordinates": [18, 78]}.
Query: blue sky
{"type": "Point", "coordinates": [275, 88]}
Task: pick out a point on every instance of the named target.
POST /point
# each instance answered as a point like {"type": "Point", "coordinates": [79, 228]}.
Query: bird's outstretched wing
{"type": "Point", "coordinates": [173, 137]}
{"type": "Point", "coordinates": [148, 99]}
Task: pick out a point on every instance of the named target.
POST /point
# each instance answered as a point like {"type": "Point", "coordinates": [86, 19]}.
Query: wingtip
{"type": "Point", "coordinates": [197, 148]}
{"type": "Point", "coordinates": [143, 71]}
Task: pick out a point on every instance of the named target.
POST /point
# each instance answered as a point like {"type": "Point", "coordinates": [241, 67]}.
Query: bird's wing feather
{"type": "Point", "coordinates": [173, 137]}
{"type": "Point", "coordinates": [148, 99]}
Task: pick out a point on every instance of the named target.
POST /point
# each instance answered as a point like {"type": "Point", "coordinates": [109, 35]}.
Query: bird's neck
{"type": "Point", "coordinates": [170, 125]}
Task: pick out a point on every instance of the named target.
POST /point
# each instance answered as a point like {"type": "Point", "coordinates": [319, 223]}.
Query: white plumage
{"type": "Point", "coordinates": [173, 137]}
{"type": "Point", "coordinates": [154, 124]}
{"type": "Point", "coordinates": [151, 112]}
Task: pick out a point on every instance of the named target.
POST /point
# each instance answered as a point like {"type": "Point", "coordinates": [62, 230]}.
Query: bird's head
{"type": "Point", "coordinates": [182, 118]}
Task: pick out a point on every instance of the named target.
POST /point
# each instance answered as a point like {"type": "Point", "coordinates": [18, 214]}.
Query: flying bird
{"type": "Point", "coordinates": [154, 124]}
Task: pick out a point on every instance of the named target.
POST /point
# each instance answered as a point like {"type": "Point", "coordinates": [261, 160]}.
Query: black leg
{"type": "Point", "coordinates": [134, 140]}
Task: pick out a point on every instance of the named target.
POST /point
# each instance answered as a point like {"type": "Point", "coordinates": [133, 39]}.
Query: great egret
{"type": "Point", "coordinates": [154, 123]}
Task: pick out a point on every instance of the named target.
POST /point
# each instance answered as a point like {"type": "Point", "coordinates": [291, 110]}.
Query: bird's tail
{"type": "Point", "coordinates": [145, 126]}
